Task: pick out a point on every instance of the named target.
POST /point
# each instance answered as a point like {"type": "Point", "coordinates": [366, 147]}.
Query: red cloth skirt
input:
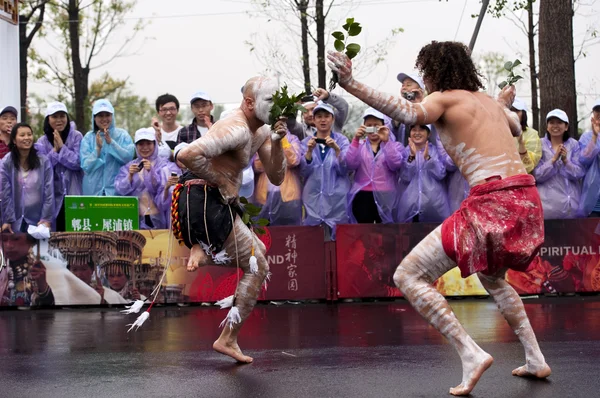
{"type": "Point", "coordinates": [499, 225]}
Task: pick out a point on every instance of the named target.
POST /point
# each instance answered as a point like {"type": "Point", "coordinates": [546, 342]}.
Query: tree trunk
{"type": "Point", "coordinates": [23, 48]}
{"type": "Point", "coordinates": [557, 63]}
{"type": "Point", "coordinates": [321, 43]}
{"type": "Point", "coordinates": [302, 7]}
{"type": "Point", "coordinates": [80, 74]}
{"type": "Point", "coordinates": [535, 110]}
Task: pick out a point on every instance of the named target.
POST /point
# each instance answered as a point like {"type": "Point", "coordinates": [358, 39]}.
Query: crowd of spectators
{"type": "Point", "coordinates": [387, 172]}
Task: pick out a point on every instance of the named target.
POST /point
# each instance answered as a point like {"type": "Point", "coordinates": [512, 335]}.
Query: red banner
{"type": "Point", "coordinates": [368, 255]}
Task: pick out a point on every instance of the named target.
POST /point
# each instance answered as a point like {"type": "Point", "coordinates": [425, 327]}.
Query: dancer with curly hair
{"type": "Point", "coordinates": [499, 226]}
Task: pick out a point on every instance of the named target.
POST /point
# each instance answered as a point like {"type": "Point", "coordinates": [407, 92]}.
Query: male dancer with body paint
{"type": "Point", "coordinates": [499, 226]}
{"type": "Point", "coordinates": [207, 200]}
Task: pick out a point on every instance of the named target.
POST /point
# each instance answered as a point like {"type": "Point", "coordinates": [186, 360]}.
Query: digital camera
{"type": "Point", "coordinates": [409, 95]}
{"type": "Point", "coordinates": [371, 130]}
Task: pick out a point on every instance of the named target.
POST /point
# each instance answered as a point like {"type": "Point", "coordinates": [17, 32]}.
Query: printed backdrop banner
{"type": "Point", "coordinates": [91, 268]}
{"type": "Point", "coordinates": [367, 256]}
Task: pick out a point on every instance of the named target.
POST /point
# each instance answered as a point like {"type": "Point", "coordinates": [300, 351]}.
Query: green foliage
{"type": "Point", "coordinates": [250, 217]}
{"type": "Point", "coordinates": [512, 78]}
{"type": "Point", "coordinates": [352, 29]}
{"type": "Point", "coordinates": [285, 105]}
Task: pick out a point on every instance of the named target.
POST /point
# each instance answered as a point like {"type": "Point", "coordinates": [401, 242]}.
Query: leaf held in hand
{"type": "Point", "coordinates": [502, 85]}
{"type": "Point", "coordinates": [516, 63]}
{"type": "Point", "coordinates": [339, 45]}
{"type": "Point", "coordinates": [508, 66]}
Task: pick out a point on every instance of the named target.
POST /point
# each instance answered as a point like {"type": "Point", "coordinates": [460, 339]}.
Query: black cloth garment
{"type": "Point", "coordinates": [218, 217]}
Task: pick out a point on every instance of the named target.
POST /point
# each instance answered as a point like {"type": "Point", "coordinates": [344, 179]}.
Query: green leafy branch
{"type": "Point", "coordinates": [250, 217]}
{"type": "Point", "coordinates": [512, 78]}
{"type": "Point", "coordinates": [352, 29]}
{"type": "Point", "coordinates": [285, 105]}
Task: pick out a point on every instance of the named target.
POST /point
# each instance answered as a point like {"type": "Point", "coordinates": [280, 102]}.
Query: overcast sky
{"type": "Point", "coordinates": [192, 45]}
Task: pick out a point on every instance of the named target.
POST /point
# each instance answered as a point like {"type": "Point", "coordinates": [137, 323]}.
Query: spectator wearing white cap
{"type": "Point", "coordinates": [104, 150]}
{"type": "Point", "coordinates": [8, 118]}
{"type": "Point", "coordinates": [323, 167]}
{"type": "Point", "coordinates": [143, 177]}
{"type": "Point", "coordinates": [61, 144]}
{"type": "Point", "coordinates": [376, 161]}
{"type": "Point", "coordinates": [166, 126]}
{"type": "Point", "coordinates": [559, 172]}
{"type": "Point", "coordinates": [413, 90]}
{"type": "Point", "coordinates": [202, 108]}
{"type": "Point", "coordinates": [590, 160]}
{"type": "Point", "coordinates": [528, 143]}
{"type": "Point", "coordinates": [307, 128]}
{"type": "Point", "coordinates": [424, 194]}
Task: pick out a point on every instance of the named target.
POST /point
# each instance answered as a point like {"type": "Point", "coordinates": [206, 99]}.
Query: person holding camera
{"type": "Point", "coordinates": [424, 197]}
{"type": "Point", "coordinates": [375, 160]}
{"type": "Point", "coordinates": [413, 90]}
{"type": "Point", "coordinates": [143, 177]}
{"type": "Point", "coordinates": [323, 167]}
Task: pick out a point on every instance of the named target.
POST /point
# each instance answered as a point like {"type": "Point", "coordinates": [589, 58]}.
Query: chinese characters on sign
{"type": "Point", "coordinates": [290, 258]}
{"type": "Point", "coordinates": [84, 225]}
{"type": "Point", "coordinates": [101, 213]}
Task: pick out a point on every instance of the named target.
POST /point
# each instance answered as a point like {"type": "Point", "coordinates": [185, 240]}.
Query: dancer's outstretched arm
{"type": "Point", "coordinates": [398, 108]}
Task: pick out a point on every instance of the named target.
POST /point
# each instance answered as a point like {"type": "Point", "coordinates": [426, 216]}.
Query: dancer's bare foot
{"type": "Point", "coordinates": [531, 370]}
{"type": "Point", "coordinates": [232, 350]}
{"type": "Point", "coordinates": [472, 371]}
{"type": "Point", "coordinates": [197, 257]}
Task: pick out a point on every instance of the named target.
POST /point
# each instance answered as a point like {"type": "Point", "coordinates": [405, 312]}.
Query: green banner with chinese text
{"type": "Point", "coordinates": [101, 213]}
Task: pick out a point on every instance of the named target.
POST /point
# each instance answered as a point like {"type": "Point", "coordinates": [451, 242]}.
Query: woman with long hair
{"type": "Point", "coordinates": [27, 184]}
{"type": "Point", "coordinates": [60, 144]}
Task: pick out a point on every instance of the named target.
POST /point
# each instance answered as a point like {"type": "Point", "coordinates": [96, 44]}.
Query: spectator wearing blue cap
{"type": "Point", "coordinates": [528, 143]}
{"type": "Point", "coordinates": [323, 167]}
{"type": "Point", "coordinates": [104, 150]}
{"type": "Point", "coordinates": [8, 118]}
{"type": "Point", "coordinates": [590, 160]}
{"type": "Point", "coordinates": [559, 172]}
{"type": "Point", "coordinates": [61, 144]}
{"type": "Point", "coordinates": [202, 108]}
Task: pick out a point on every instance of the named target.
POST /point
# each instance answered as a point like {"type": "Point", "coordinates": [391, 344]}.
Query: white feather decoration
{"type": "Point", "coordinates": [227, 302]}
{"type": "Point", "coordinates": [233, 317]}
{"type": "Point", "coordinates": [253, 265]}
{"type": "Point", "coordinates": [139, 321]}
{"type": "Point", "coordinates": [221, 257]}
{"type": "Point", "coordinates": [134, 308]}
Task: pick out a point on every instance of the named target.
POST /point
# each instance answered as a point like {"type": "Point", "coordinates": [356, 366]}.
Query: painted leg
{"type": "Point", "coordinates": [414, 277]}
{"type": "Point", "coordinates": [510, 305]}
{"type": "Point", "coordinates": [197, 258]}
{"type": "Point", "coordinates": [247, 292]}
